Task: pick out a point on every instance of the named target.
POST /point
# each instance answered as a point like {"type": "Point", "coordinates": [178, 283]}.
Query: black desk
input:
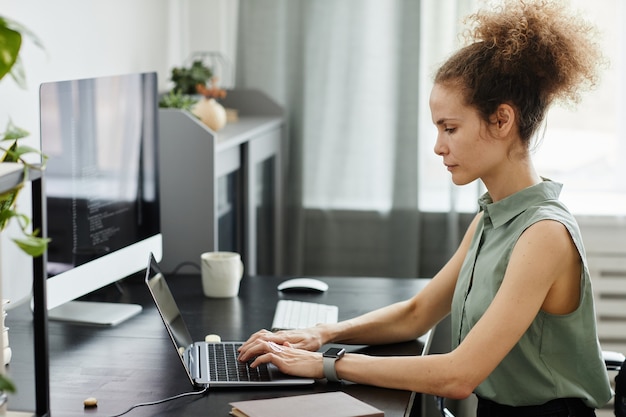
{"type": "Point", "coordinates": [134, 362]}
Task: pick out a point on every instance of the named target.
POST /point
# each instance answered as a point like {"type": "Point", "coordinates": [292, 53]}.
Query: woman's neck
{"type": "Point", "coordinates": [516, 177]}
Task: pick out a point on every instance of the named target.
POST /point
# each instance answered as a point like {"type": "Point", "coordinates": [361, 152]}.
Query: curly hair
{"type": "Point", "coordinates": [527, 53]}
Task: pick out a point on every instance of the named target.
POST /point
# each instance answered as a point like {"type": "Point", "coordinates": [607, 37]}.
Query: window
{"type": "Point", "coordinates": [583, 147]}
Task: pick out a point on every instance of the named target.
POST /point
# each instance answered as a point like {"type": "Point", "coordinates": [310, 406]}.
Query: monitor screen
{"type": "Point", "coordinates": [101, 183]}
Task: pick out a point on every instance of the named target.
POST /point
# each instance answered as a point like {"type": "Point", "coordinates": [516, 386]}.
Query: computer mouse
{"type": "Point", "coordinates": [303, 284]}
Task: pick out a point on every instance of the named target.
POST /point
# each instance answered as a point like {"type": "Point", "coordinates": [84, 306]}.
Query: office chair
{"type": "Point", "coordinates": [619, 402]}
{"type": "Point", "coordinates": [614, 361]}
{"type": "Point", "coordinates": [441, 406]}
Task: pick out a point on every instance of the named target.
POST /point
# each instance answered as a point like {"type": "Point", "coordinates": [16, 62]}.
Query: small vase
{"type": "Point", "coordinates": [211, 113]}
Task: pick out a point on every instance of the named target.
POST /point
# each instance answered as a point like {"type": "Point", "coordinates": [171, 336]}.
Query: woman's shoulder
{"type": "Point", "coordinates": [552, 210]}
{"type": "Point", "coordinates": [553, 218]}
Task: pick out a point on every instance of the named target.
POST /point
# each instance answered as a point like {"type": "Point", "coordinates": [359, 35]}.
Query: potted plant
{"type": "Point", "coordinates": [195, 90]}
{"type": "Point", "coordinates": [12, 155]}
{"type": "Point", "coordinates": [186, 79]}
{"type": "Point", "coordinates": [11, 151]}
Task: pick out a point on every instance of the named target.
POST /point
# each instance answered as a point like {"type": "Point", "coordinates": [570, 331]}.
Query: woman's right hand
{"type": "Point", "coordinates": [307, 339]}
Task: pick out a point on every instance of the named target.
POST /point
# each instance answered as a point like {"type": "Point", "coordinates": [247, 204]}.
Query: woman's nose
{"type": "Point", "coordinates": [440, 147]}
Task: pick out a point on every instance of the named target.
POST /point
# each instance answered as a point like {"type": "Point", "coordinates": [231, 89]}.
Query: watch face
{"type": "Point", "coordinates": [334, 352]}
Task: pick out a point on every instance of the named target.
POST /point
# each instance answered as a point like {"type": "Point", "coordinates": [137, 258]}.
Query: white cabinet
{"type": "Point", "coordinates": [223, 190]}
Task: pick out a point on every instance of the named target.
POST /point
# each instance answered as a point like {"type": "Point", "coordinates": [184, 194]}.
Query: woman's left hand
{"type": "Point", "coordinates": [289, 360]}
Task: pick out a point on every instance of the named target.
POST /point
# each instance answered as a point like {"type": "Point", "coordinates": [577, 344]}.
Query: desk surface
{"type": "Point", "coordinates": [134, 362]}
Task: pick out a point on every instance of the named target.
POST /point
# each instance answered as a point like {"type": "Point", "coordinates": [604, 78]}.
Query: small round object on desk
{"type": "Point", "coordinates": [212, 338]}
{"type": "Point", "coordinates": [90, 402]}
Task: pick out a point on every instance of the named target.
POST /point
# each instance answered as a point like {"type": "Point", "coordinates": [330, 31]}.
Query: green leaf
{"type": "Point", "coordinates": [13, 132]}
{"type": "Point", "coordinates": [24, 149]}
{"type": "Point", "coordinates": [12, 34]}
{"type": "Point", "coordinates": [7, 201]}
{"type": "Point", "coordinates": [6, 385]}
{"type": "Point", "coordinates": [18, 27]}
{"type": "Point", "coordinates": [32, 245]}
{"type": "Point", "coordinates": [178, 100]}
{"type": "Point", "coordinates": [19, 74]}
{"type": "Point", "coordinates": [186, 79]}
{"type": "Point", "coordinates": [9, 154]}
{"type": "Point", "coordinates": [10, 44]}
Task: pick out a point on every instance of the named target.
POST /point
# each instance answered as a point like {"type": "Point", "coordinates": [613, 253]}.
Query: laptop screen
{"type": "Point", "coordinates": [167, 307]}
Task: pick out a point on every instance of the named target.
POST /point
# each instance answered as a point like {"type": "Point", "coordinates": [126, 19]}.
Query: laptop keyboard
{"type": "Point", "coordinates": [224, 365]}
{"type": "Point", "coordinates": [291, 314]}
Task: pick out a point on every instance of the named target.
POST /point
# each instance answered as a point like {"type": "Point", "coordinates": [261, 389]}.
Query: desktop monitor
{"type": "Point", "coordinates": [101, 189]}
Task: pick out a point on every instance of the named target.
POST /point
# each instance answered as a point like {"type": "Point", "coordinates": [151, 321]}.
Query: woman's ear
{"type": "Point", "coordinates": [503, 120]}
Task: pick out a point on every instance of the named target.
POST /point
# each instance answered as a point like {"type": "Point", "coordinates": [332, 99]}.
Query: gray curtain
{"type": "Point", "coordinates": [347, 74]}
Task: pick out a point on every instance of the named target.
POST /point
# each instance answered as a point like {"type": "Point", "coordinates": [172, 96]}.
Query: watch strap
{"type": "Point", "coordinates": [329, 369]}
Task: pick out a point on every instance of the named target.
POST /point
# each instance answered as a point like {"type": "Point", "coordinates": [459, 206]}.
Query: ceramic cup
{"type": "Point", "coordinates": [221, 274]}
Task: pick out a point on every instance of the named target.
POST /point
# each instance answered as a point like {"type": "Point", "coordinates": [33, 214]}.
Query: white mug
{"type": "Point", "coordinates": [221, 274]}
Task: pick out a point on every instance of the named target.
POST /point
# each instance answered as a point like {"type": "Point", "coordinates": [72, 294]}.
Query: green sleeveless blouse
{"type": "Point", "coordinates": [559, 355]}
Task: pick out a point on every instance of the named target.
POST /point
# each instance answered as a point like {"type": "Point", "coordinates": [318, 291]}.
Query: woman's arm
{"type": "Point", "coordinates": [397, 322]}
{"type": "Point", "coordinates": [543, 258]}
{"type": "Point", "coordinates": [405, 320]}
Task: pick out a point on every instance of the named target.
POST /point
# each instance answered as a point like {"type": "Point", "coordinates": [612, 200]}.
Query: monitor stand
{"type": "Point", "coordinates": [94, 312]}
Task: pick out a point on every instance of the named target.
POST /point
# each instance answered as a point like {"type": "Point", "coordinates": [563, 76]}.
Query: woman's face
{"type": "Point", "coordinates": [469, 152]}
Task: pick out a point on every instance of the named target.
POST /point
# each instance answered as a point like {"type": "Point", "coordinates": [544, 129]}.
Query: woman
{"type": "Point", "coordinates": [517, 288]}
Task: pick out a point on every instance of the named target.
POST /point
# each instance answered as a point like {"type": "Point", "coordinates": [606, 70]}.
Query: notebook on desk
{"type": "Point", "coordinates": [208, 363]}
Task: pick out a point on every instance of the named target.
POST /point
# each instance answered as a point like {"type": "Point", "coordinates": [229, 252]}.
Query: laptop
{"type": "Point", "coordinates": [211, 364]}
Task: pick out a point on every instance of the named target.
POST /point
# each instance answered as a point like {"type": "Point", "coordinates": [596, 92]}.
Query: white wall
{"type": "Point", "coordinates": [91, 38]}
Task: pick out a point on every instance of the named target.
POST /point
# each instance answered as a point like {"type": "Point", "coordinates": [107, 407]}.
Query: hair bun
{"type": "Point", "coordinates": [554, 48]}
{"type": "Point", "coordinates": [527, 53]}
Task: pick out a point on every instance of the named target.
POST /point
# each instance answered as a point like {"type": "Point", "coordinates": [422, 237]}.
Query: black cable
{"type": "Point", "coordinates": [183, 264]}
{"type": "Point", "coordinates": [175, 397]}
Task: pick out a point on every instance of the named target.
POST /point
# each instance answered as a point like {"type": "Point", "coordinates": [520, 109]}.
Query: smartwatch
{"type": "Point", "coordinates": [332, 355]}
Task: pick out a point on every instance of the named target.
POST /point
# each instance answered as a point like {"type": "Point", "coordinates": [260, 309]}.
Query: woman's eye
{"type": "Point", "coordinates": [450, 129]}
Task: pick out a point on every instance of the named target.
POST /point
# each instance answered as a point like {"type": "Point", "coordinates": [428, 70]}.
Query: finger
{"type": "Point", "coordinates": [273, 346]}
{"type": "Point", "coordinates": [266, 358]}
{"type": "Point", "coordinates": [267, 336]}
{"type": "Point", "coordinates": [271, 354]}
{"type": "Point", "coordinates": [251, 352]}
{"type": "Point", "coordinates": [260, 335]}
{"type": "Point", "coordinates": [259, 347]}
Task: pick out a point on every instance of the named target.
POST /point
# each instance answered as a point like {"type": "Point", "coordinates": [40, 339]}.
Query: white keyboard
{"type": "Point", "coordinates": [291, 314]}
